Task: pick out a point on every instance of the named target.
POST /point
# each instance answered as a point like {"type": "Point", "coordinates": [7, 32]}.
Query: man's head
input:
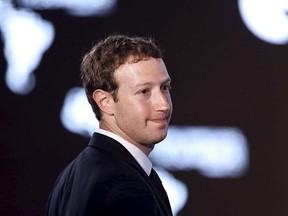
{"type": "Point", "coordinates": [128, 86]}
{"type": "Point", "coordinates": [99, 65]}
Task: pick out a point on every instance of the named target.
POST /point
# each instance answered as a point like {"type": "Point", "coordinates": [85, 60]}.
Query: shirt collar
{"type": "Point", "coordinates": [139, 156]}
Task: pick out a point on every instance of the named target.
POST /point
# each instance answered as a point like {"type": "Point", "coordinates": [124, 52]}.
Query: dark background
{"type": "Point", "coordinates": [222, 76]}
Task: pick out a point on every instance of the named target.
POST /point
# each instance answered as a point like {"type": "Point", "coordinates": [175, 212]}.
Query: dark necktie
{"type": "Point", "coordinates": [158, 183]}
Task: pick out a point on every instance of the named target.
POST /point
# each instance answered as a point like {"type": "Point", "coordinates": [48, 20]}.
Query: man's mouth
{"type": "Point", "coordinates": [160, 120]}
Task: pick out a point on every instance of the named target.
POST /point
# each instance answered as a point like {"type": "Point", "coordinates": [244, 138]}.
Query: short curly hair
{"type": "Point", "coordinates": [99, 64]}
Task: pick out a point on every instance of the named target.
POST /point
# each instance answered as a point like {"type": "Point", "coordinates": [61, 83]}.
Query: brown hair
{"type": "Point", "coordinates": [99, 64]}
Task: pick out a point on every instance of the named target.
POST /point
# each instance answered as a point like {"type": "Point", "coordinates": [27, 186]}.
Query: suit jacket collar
{"type": "Point", "coordinates": [112, 146]}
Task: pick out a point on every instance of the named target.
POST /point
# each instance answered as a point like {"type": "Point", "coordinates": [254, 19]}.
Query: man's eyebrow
{"type": "Point", "coordinates": [167, 80]}
{"type": "Point", "coordinates": [151, 82]}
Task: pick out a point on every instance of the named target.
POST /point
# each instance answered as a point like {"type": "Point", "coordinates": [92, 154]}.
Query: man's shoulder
{"type": "Point", "coordinates": [101, 178]}
{"type": "Point", "coordinates": [96, 164]}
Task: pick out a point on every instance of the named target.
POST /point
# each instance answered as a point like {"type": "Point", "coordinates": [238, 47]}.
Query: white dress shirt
{"type": "Point", "coordinates": [139, 156]}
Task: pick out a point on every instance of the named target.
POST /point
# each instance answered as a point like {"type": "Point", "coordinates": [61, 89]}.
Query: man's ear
{"type": "Point", "coordinates": [103, 100]}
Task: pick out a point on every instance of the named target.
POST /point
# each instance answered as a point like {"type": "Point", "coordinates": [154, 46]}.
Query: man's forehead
{"type": "Point", "coordinates": [143, 72]}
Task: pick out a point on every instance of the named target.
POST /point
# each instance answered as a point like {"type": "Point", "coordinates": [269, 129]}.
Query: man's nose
{"type": "Point", "coordinates": [162, 101]}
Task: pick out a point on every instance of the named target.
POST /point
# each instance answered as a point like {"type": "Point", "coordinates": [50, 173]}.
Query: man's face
{"type": "Point", "coordinates": [144, 106]}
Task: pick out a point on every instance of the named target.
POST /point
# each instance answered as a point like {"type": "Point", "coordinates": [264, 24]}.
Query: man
{"type": "Point", "coordinates": [127, 85]}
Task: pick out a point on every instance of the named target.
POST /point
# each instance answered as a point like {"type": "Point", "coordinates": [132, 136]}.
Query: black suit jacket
{"type": "Point", "coordinates": [105, 179]}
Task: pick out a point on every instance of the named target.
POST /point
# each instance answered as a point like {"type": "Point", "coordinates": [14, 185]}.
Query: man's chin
{"type": "Point", "coordinates": [160, 139]}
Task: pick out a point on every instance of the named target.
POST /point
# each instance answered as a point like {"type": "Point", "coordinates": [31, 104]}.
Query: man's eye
{"type": "Point", "coordinates": [166, 87]}
{"type": "Point", "coordinates": [144, 91]}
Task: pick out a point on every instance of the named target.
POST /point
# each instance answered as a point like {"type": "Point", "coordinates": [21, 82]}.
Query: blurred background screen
{"type": "Point", "coordinates": [225, 153]}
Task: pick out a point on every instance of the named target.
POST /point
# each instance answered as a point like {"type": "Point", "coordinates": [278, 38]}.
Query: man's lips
{"type": "Point", "coordinates": [160, 120]}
